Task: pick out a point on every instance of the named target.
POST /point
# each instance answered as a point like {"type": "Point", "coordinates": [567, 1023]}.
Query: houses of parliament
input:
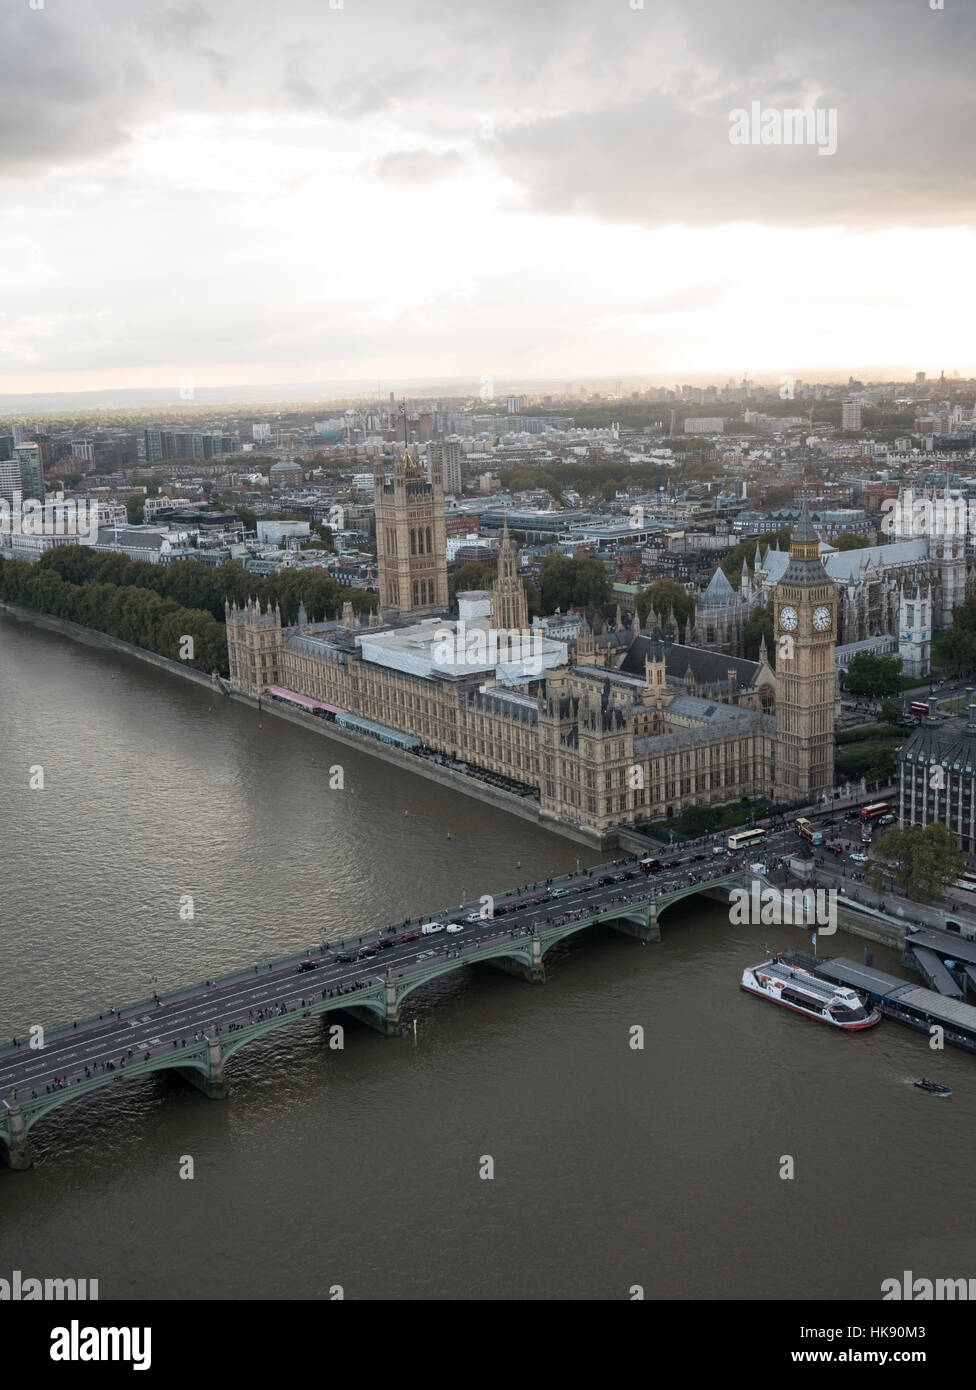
{"type": "Point", "coordinates": [602, 746]}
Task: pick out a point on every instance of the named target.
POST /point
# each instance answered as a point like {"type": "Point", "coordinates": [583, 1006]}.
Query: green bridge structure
{"type": "Point", "coordinates": [373, 999]}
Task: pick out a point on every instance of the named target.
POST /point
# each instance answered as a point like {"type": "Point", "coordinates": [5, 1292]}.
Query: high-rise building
{"type": "Point", "coordinates": [514, 405]}
{"type": "Point", "coordinates": [31, 464]}
{"type": "Point", "coordinates": [805, 624]}
{"type": "Point", "coordinates": [411, 543]}
{"type": "Point", "coordinates": [444, 461]}
{"type": "Point", "coordinates": [19, 434]}
{"type": "Point", "coordinates": [10, 479]}
{"type": "Point", "coordinates": [919, 379]}
{"type": "Point", "coordinates": [851, 414]}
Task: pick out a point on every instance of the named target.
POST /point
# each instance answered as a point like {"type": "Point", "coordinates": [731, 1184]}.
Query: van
{"type": "Point", "coordinates": [429, 928]}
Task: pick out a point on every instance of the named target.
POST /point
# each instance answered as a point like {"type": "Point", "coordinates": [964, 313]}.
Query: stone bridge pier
{"type": "Point", "coordinates": [641, 924]}
{"type": "Point", "coordinates": [385, 1018]}
{"type": "Point", "coordinates": [525, 963]}
{"type": "Point", "coordinates": [15, 1147]}
{"type": "Point", "coordinates": [210, 1077]}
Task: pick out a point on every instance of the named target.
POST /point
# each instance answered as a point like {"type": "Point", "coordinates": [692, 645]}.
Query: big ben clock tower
{"type": "Point", "coordinates": [805, 625]}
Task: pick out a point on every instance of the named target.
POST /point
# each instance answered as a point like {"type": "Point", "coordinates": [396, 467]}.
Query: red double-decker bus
{"type": "Point", "coordinates": [872, 812]}
{"type": "Point", "coordinates": [919, 708]}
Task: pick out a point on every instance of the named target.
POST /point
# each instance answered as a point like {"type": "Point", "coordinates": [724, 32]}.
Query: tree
{"type": "Point", "coordinates": [850, 540]}
{"type": "Point", "coordinates": [777, 497]}
{"type": "Point", "coordinates": [890, 712]}
{"type": "Point", "coordinates": [134, 510]}
{"type": "Point", "coordinates": [573, 583]}
{"type": "Point", "coordinates": [958, 642]}
{"type": "Point", "coordinates": [746, 550]}
{"type": "Point", "coordinates": [662, 596]}
{"type": "Point", "coordinates": [921, 860]}
{"type": "Point", "coordinates": [470, 576]}
{"type": "Point", "coordinates": [873, 675]}
{"type": "Point", "coordinates": [760, 625]}
{"type": "Point", "coordinates": [698, 820]}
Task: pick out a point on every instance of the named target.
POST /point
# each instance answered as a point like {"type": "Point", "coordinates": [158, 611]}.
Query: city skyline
{"type": "Point", "coordinates": [201, 193]}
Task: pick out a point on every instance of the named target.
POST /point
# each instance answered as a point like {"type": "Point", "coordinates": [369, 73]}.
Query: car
{"type": "Point", "coordinates": [860, 858]}
{"type": "Point", "coordinates": [500, 911]}
{"type": "Point", "coordinates": [887, 820]}
{"type": "Point", "coordinates": [385, 945]}
{"type": "Point", "coordinates": [603, 882]}
{"type": "Point", "coordinates": [564, 892]}
{"type": "Point", "coordinates": [306, 966]}
{"type": "Point", "coordinates": [631, 875]}
{"type": "Point", "coordinates": [457, 926]}
{"type": "Point", "coordinates": [345, 959]}
{"type": "Point", "coordinates": [472, 917]}
{"type": "Point", "coordinates": [410, 936]}
{"type": "Point", "coordinates": [539, 900]}
{"type": "Point", "coordinates": [367, 953]}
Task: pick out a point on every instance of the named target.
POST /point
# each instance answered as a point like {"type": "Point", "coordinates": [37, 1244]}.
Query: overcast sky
{"type": "Point", "coordinates": [248, 191]}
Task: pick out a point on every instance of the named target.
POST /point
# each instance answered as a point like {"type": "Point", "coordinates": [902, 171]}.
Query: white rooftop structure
{"type": "Point", "coordinates": [442, 647]}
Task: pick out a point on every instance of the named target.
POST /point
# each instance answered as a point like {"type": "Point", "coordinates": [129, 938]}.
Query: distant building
{"type": "Point", "coordinates": [286, 474]}
{"type": "Point", "coordinates": [851, 415]}
{"type": "Point", "coordinates": [937, 776]}
{"type": "Point", "coordinates": [704, 424]}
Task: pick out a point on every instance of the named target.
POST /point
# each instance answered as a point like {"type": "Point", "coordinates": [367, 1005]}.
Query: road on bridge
{"type": "Point", "coordinates": [183, 1018]}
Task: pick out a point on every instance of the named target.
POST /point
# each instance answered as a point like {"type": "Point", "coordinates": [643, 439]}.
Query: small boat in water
{"type": "Point", "coordinates": [934, 1088]}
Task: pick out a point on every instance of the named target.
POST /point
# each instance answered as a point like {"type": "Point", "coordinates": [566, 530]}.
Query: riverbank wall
{"type": "Point", "coordinates": [524, 807]}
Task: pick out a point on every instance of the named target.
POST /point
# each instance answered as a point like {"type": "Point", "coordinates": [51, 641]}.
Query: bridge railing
{"type": "Point", "coordinates": [137, 1008]}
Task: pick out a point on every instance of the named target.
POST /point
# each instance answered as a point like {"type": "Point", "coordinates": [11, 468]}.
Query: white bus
{"type": "Point", "coordinates": [742, 839]}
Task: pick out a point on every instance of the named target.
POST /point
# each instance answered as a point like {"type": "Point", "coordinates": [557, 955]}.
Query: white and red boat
{"type": "Point", "coordinates": [796, 989]}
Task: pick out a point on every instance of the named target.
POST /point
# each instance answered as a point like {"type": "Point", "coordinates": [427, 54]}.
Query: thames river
{"type": "Point", "coordinates": [615, 1167]}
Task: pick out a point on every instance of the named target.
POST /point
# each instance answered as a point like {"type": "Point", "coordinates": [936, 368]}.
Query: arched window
{"type": "Point", "coordinates": [430, 543]}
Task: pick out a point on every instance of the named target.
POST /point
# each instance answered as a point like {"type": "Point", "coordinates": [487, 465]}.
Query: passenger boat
{"type": "Point", "coordinates": [804, 993]}
{"type": "Point", "coordinates": [934, 1088]}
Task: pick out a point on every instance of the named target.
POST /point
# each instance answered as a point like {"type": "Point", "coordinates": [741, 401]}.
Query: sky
{"type": "Point", "coordinates": [233, 191]}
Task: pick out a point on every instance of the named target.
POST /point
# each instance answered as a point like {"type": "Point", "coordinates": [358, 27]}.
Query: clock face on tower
{"type": "Point", "coordinates": [821, 618]}
{"type": "Point", "coordinates": [788, 619]}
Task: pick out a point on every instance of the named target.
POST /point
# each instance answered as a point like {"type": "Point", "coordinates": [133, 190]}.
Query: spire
{"type": "Point", "coordinates": [804, 528]}
{"type": "Point", "coordinates": [763, 653]}
{"type": "Point", "coordinates": [509, 608]}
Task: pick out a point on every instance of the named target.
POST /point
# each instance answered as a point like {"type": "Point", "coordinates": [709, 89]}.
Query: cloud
{"type": "Point", "coordinates": [211, 181]}
{"type": "Point", "coordinates": [418, 167]}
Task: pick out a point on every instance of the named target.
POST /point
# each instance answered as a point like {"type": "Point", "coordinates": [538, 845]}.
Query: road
{"type": "Point", "coordinates": [119, 1038]}
{"type": "Point", "coordinates": [270, 989]}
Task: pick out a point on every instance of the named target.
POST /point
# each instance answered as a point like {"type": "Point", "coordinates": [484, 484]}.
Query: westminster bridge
{"type": "Point", "coordinates": [197, 1029]}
